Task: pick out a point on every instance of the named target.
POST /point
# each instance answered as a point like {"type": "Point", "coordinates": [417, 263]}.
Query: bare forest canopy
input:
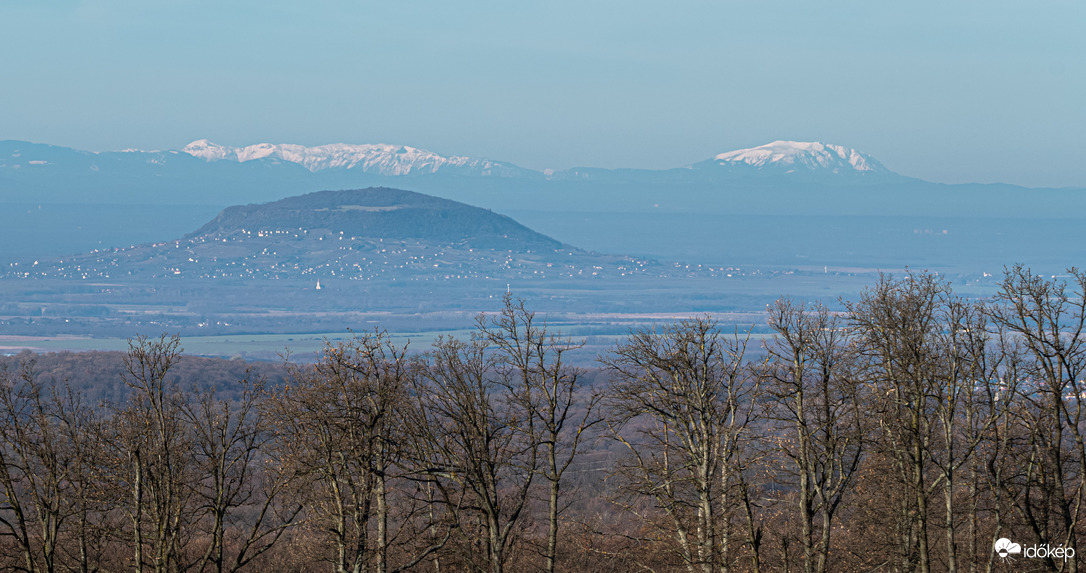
{"type": "Point", "coordinates": [907, 432]}
{"type": "Point", "coordinates": [98, 376]}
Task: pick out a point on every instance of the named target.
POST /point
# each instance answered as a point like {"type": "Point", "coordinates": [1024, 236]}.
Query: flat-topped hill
{"type": "Point", "coordinates": [383, 213]}
{"type": "Point", "coordinates": [362, 235]}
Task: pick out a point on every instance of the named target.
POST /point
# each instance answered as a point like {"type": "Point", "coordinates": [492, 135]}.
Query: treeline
{"type": "Point", "coordinates": [907, 433]}
{"type": "Point", "coordinates": [98, 375]}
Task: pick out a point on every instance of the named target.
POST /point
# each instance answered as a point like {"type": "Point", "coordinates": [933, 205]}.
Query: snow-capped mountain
{"type": "Point", "coordinates": [375, 159]}
{"type": "Point", "coordinates": [806, 156]}
{"type": "Point", "coordinates": [97, 199]}
{"type": "Point", "coordinates": [396, 160]}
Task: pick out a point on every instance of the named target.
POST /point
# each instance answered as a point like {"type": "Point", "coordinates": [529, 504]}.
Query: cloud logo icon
{"type": "Point", "coordinates": [1005, 548]}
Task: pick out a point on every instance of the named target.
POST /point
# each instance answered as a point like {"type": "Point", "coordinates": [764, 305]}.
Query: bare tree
{"type": "Point", "coordinates": [1047, 318]}
{"type": "Point", "coordinates": [682, 401]}
{"type": "Point", "coordinates": [340, 428]}
{"type": "Point", "coordinates": [35, 465]}
{"type": "Point", "coordinates": [897, 322]}
{"type": "Point", "coordinates": [996, 405]}
{"type": "Point", "coordinates": [155, 457]}
{"type": "Point", "coordinates": [98, 514]}
{"type": "Point", "coordinates": [241, 496]}
{"type": "Point", "coordinates": [965, 409]}
{"type": "Point", "coordinates": [480, 447]}
{"type": "Point", "coordinates": [928, 357]}
{"type": "Point", "coordinates": [69, 459]}
{"type": "Point", "coordinates": [816, 397]}
{"type": "Point", "coordinates": [548, 390]}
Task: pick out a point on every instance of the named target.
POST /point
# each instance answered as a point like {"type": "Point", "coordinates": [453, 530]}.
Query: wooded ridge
{"type": "Point", "coordinates": [909, 432]}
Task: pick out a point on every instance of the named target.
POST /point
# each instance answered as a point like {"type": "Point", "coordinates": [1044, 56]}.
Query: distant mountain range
{"type": "Point", "coordinates": [728, 207]}
{"type": "Point", "coordinates": [782, 177]}
{"type": "Point", "coordinates": [378, 159]}
{"type": "Point", "coordinates": [395, 160]}
{"type": "Point", "coordinates": [29, 168]}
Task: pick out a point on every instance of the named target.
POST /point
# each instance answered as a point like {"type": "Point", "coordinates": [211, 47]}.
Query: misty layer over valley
{"type": "Point", "coordinates": [542, 287]}
{"type": "Point", "coordinates": [215, 241]}
{"type": "Point", "coordinates": [782, 205]}
{"type": "Point", "coordinates": [333, 260]}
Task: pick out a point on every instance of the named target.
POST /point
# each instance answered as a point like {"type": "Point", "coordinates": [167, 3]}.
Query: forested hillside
{"type": "Point", "coordinates": [907, 433]}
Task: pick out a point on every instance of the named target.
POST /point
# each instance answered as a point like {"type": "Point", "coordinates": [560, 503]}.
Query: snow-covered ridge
{"type": "Point", "coordinates": [396, 160]}
{"type": "Point", "coordinates": [377, 159]}
{"type": "Point", "coordinates": [804, 155]}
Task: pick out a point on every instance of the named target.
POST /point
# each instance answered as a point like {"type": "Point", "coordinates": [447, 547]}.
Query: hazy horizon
{"type": "Point", "coordinates": [968, 92]}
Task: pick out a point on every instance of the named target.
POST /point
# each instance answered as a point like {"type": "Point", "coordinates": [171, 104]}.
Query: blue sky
{"type": "Point", "coordinates": [947, 91]}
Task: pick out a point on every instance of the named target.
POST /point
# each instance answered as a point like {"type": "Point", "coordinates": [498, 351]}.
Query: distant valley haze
{"type": "Point", "coordinates": [554, 286]}
{"type": "Point", "coordinates": [214, 241]}
{"type": "Point", "coordinates": [781, 205]}
{"type": "Point", "coordinates": [685, 158]}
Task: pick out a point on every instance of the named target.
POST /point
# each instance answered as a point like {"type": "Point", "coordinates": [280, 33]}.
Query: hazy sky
{"type": "Point", "coordinates": [947, 91]}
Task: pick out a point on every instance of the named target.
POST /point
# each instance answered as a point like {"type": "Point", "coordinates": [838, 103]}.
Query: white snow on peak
{"type": "Point", "coordinates": [378, 159]}
{"type": "Point", "coordinates": [805, 155]}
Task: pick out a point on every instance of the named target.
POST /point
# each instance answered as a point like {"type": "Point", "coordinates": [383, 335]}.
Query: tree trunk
{"type": "Point", "coordinates": [951, 543]}
{"type": "Point", "coordinates": [552, 515]}
{"type": "Point", "coordinates": [382, 520]}
{"type": "Point", "coordinates": [137, 516]}
{"type": "Point", "coordinates": [921, 504]}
